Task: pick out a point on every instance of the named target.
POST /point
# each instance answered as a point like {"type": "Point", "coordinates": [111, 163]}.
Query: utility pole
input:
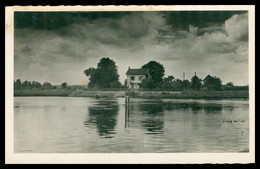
{"type": "Point", "coordinates": [27, 74]}
{"type": "Point", "coordinates": [183, 76]}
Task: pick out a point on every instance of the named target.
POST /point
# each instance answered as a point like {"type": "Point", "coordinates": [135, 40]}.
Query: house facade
{"type": "Point", "coordinates": [135, 77]}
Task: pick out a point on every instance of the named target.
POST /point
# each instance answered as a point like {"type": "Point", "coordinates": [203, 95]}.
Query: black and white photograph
{"type": "Point", "coordinates": [164, 84]}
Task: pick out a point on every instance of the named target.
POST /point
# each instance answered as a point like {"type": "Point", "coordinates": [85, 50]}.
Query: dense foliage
{"type": "Point", "coordinates": [195, 83]}
{"type": "Point", "coordinates": [26, 85]}
{"type": "Point", "coordinates": [148, 84]}
{"type": "Point", "coordinates": [212, 83]}
{"type": "Point", "coordinates": [19, 85]}
{"type": "Point", "coordinates": [156, 71]}
{"type": "Point", "coordinates": [64, 85]}
{"type": "Point", "coordinates": [104, 76]}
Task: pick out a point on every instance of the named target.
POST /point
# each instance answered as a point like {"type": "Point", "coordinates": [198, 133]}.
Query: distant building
{"type": "Point", "coordinates": [207, 78]}
{"type": "Point", "coordinates": [212, 83]}
{"type": "Point", "coordinates": [135, 77]}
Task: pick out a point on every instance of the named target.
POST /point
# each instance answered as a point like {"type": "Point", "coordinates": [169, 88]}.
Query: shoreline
{"type": "Point", "coordinates": [207, 95]}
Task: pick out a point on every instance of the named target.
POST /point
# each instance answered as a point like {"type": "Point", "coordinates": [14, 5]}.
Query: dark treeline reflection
{"type": "Point", "coordinates": [151, 113]}
{"type": "Point", "coordinates": [213, 108]}
{"type": "Point", "coordinates": [153, 121]}
{"type": "Point", "coordinates": [195, 107]}
{"type": "Point", "coordinates": [104, 115]}
{"type": "Point", "coordinates": [160, 106]}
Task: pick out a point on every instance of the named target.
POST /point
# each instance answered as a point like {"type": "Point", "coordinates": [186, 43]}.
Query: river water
{"type": "Point", "coordinates": [106, 125]}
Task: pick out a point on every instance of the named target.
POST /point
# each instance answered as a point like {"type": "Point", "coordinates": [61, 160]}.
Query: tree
{"type": "Point", "coordinates": [17, 84]}
{"type": "Point", "coordinates": [166, 85]}
{"type": "Point", "coordinates": [92, 77]}
{"type": "Point", "coordinates": [115, 84]}
{"type": "Point", "coordinates": [90, 71]}
{"type": "Point", "coordinates": [177, 85]}
{"type": "Point", "coordinates": [36, 84]}
{"type": "Point", "coordinates": [156, 71]}
{"type": "Point", "coordinates": [104, 76]}
{"type": "Point", "coordinates": [27, 84]}
{"type": "Point", "coordinates": [195, 83]}
{"type": "Point", "coordinates": [213, 83]}
{"type": "Point", "coordinates": [46, 85]}
{"type": "Point", "coordinates": [148, 83]}
{"type": "Point", "coordinates": [64, 85]}
{"type": "Point", "coordinates": [169, 79]}
{"type": "Point", "coordinates": [230, 84]}
{"type": "Point", "coordinates": [186, 84]}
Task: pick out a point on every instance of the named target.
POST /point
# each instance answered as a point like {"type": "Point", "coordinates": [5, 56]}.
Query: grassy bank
{"type": "Point", "coordinates": [40, 92]}
{"type": "Point", "coordinates": [80, 93]}
{"type": "Point", "coordinates": [192, 94]}
{"type": "Point", "coordinates": [137, 94]}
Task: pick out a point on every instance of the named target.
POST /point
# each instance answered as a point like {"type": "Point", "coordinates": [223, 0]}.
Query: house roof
{"type": "Point", "coordinates": [207, 77]}
{"type": "Point", "coordinates": [143, 71]}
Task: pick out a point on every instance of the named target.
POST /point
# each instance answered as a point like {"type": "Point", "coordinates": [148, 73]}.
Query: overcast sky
{"type": "Point", "coordinates": [58, 46]}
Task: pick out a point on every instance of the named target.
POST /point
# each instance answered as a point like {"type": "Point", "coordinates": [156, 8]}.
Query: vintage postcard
{"type": "Point", "coordinates": [130, 84]}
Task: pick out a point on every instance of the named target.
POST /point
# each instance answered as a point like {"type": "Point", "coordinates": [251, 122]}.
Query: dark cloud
{"type": "Point", "coordinates": [183, 19]}
{"type": "Point", "coordinates": [57, 47]}
{"type": "Point", "coordinates": [56, 20]}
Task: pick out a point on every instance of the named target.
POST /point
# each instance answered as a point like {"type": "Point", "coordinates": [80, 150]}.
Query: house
{"type": "Point", "coordinates": [212, 83]}
{"type": "Point", "coordinates": [135, 77]}
{"type": "Point", "coordinates": [207, 78]}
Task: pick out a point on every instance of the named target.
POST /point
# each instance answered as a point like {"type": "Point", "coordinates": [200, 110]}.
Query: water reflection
{"type": "Point", "coordinates": [150, 116]}
{"type": "Point", "coordinates": [152, 119]}
{"type": "Point", "coordinates": [174, 106]}
{"type": "Point", "coordinates": [194, 107]}
{"type": "Point", "coordinates": [229, 108]}
{"type": "Point", "coordinates": [212, 108]}
{"type": "Point", "coordinates": [104, 115]}
{"type": "Point", "coordinates": [127, 112]}
{"type": "Point", "coordinates": [68, 125]}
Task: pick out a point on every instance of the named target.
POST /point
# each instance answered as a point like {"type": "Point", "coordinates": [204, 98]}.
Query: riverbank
{"type": "Point", "coordinates": [137, 94]}
{"type": "Point", "coordinates": [192, 94]}
{"type": "Point", "coordinates": [40, 92]}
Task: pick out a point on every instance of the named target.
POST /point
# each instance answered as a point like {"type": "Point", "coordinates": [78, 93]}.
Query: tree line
{"type": "Point", "coordinates": [159, 82]}
{"type": "Point", "coordinates": [106, 76]}
{"type": "Point", "coordinates": [19, 85]}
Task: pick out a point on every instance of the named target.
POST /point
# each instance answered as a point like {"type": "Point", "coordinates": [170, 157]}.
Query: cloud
{"type": "Point", "coordinates": [212, 28]}
{"type": "Point", "coordinates": [215, 51]}
{"type": "Point", "coordinates": [79, 43]}
{"type": "Point", "coordinates": [237, 27]}
{"type": "Point", "coordinates": [219, 40]}
{"type": "Point", "coordinates": [131, 40]}
{"type": "Point", "coordinates": [193, 30]}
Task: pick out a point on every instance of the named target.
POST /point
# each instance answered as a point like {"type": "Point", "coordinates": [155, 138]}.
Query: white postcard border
{"type": "Point", "coordinates": [122, 158]}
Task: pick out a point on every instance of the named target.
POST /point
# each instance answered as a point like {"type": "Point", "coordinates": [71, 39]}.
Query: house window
{"type": "Point", "coordinates": [132, 77]}
{"type": "Point", "coordinates": [140, 77]}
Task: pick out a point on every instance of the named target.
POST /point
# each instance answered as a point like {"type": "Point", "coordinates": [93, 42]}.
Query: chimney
{"type": "Point", "coordinates": [195, 74]}
{"type": "Point", "coordinates": [183, 75]}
